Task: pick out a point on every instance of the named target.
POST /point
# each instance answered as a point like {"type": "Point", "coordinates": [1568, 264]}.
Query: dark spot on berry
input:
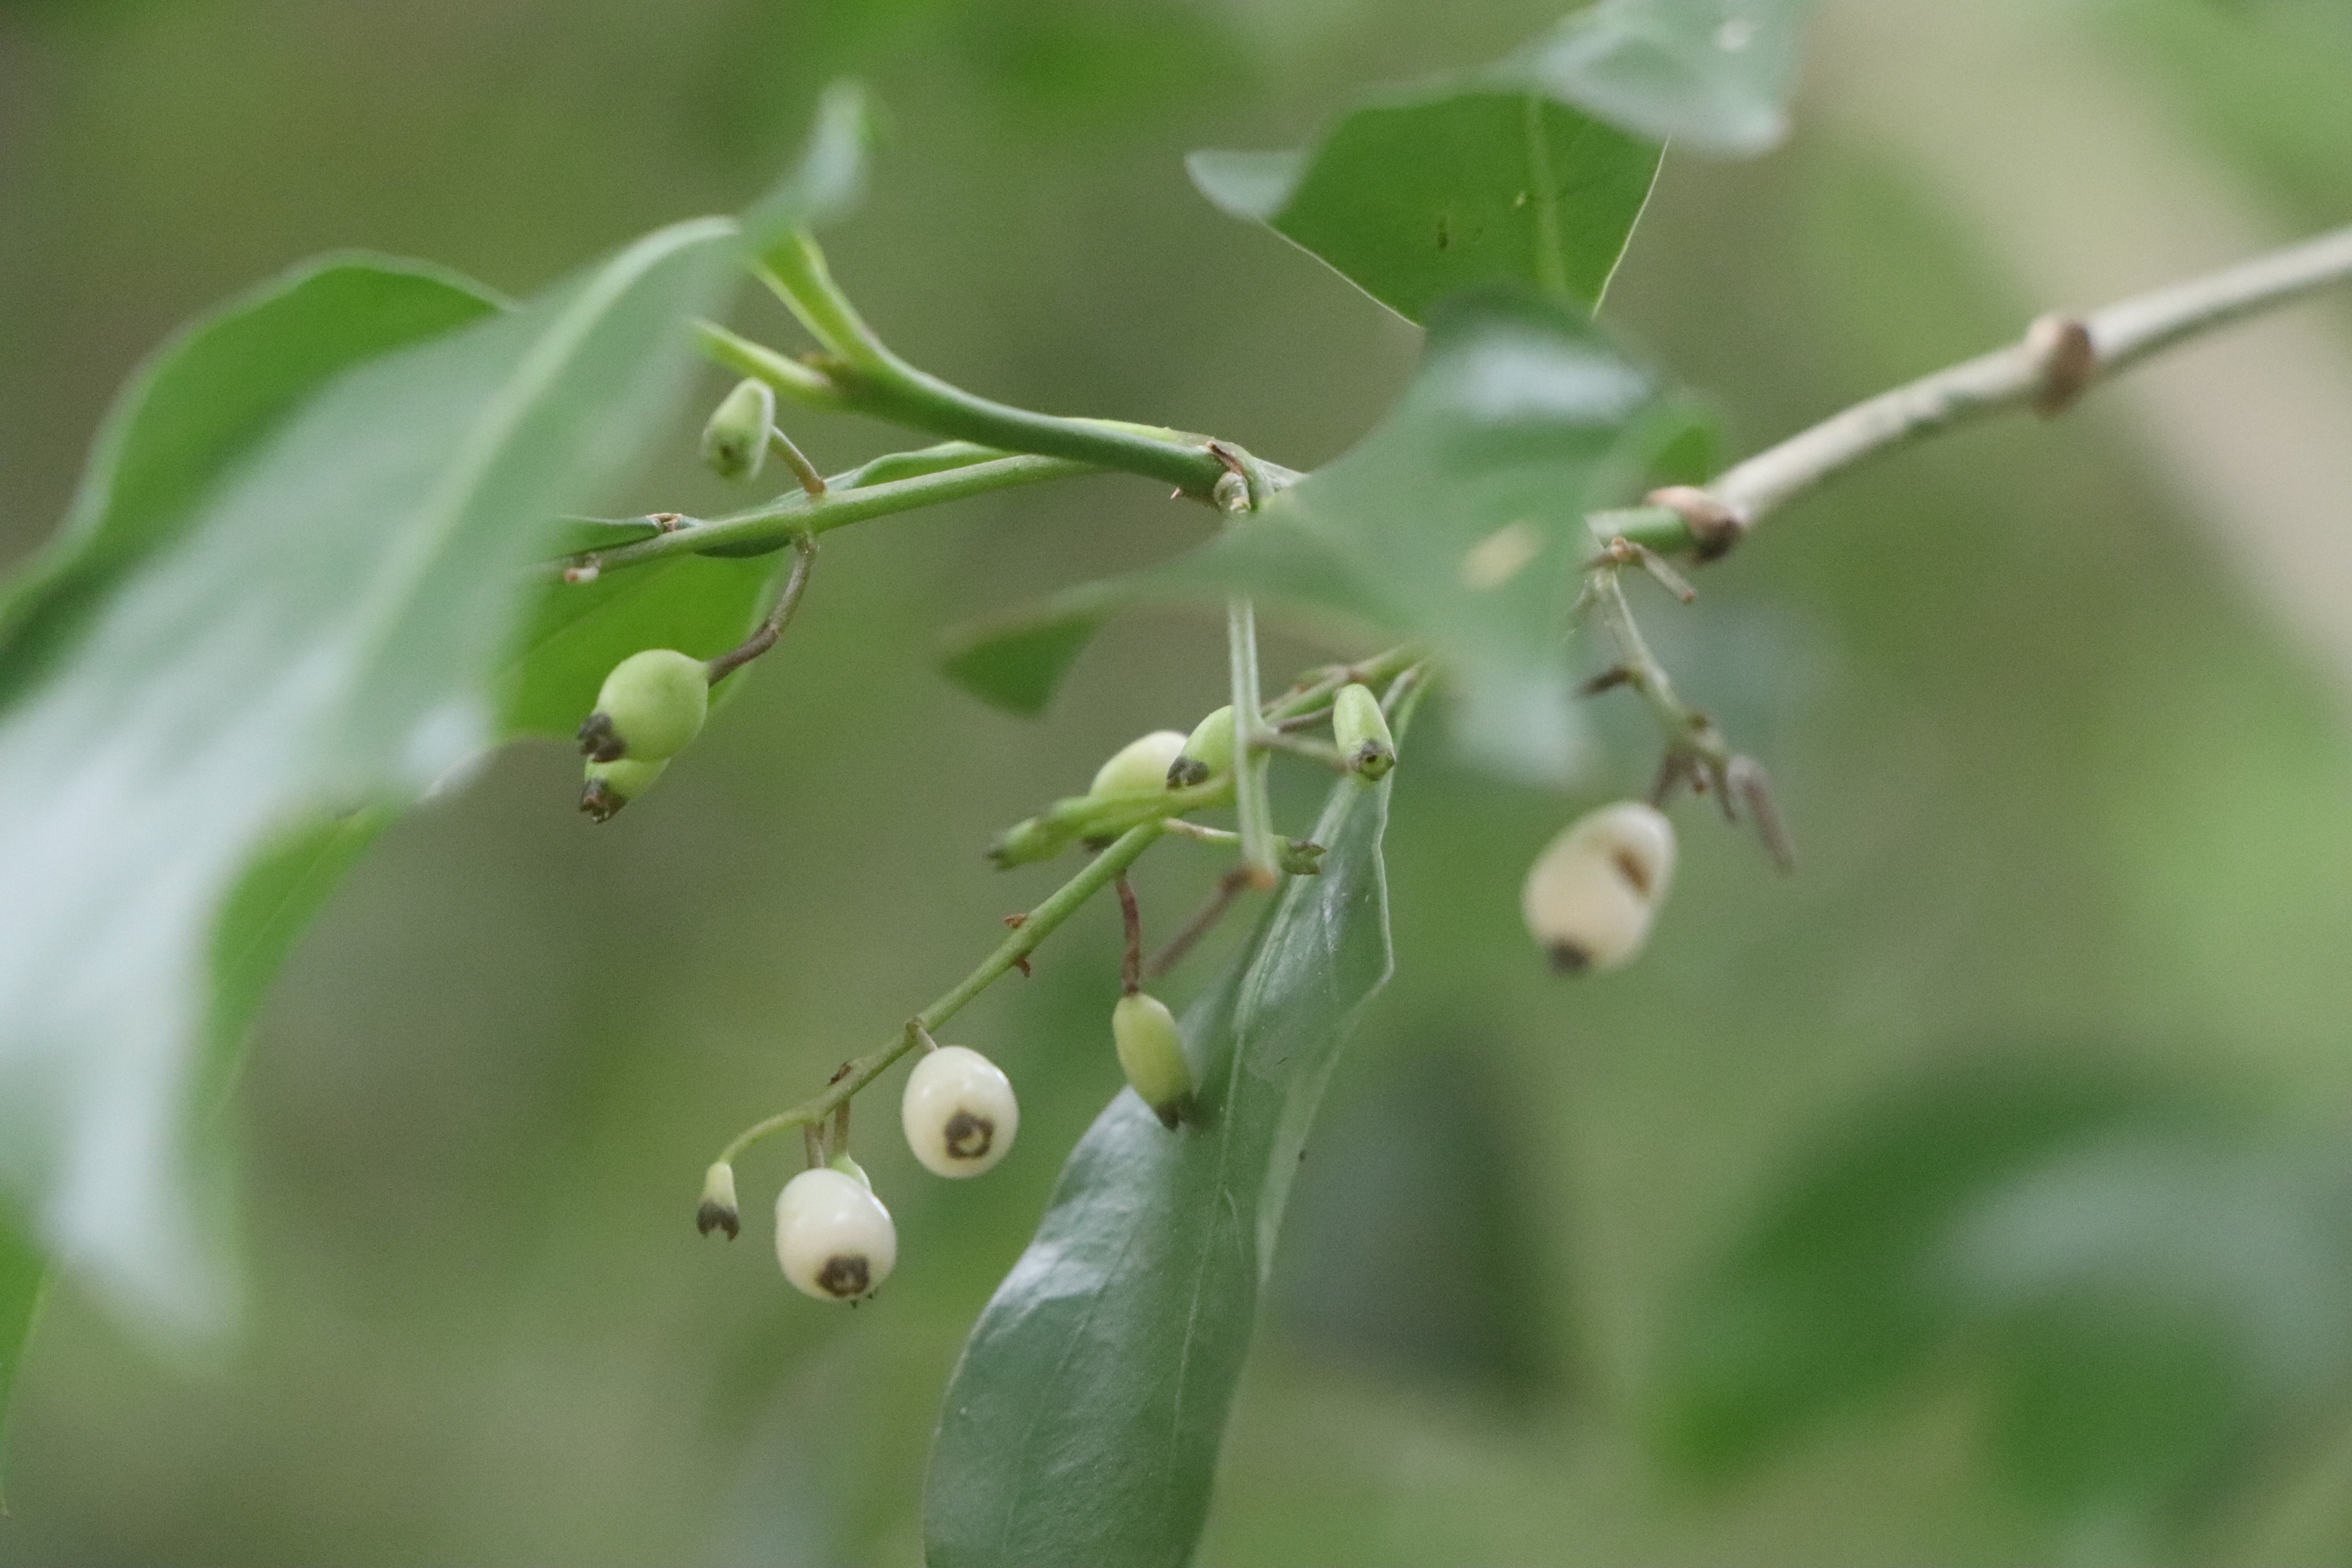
{"type": "Point", "coordinates": [1567, 958]}
{"type": "Point", "coordinates": [599, 741]}
{"type": "Point", "coordinates": [718, 1216]}
{"type": "Point", "coordinates": [969, 1136]}
{"type": "Point", "coordinates": [1186, 772]}
{"type": "Point", "coordinates": [597, 799]}
{"type": "Point", "coordinates": [1629, 865]}
{"type": "Point", "coordinates": [843, 1275]}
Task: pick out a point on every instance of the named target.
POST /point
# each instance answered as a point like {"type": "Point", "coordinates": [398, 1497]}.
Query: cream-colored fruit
{"type": "Point", "coordinates": [1139, 767]}
{"type": "Point", "coordinates": [1590, 895]}
{"type": "Point", "coordinates": [958, 1112]}
{"type": "Point", "coordinates": [834, 1237]}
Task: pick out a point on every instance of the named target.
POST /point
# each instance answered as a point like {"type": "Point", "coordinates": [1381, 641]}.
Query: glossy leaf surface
{"type": "Point", "coordinates": [1082, 1425]}
{"type": "Point", "coordinates": [313, 627]}
{"type": "Point", "coordinates": [1530, 171]}
{"type": "Point", "coordinates": [1466, 182]}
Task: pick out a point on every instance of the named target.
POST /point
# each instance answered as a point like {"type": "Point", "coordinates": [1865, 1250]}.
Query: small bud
{"type": "Point", "coordinates": [1361, 730]}
{"type": "Point", "coordinates": [651, 705]}
{"type": "Point", "coordinates": [1139, 767]}
{"type": "Point", "coordinates": [1032, 838]}
{"type": "Point", "coordinates": [1208, 750]}
{"type": "Point", "coordinates": [1589, 896]}
{"type": "Point", "coordinates": [834, 1237]}
{"type": "Point", "coordinates": [958, 1112]}
{"type": "Point", "coordinates": [612, 785]}
{"type": "Point", "coordinates": [1152, 1053]}
{"type": "Point", "coordinates": [735, 442]}
{"type": "Point", "coordinates": [718, 1211]}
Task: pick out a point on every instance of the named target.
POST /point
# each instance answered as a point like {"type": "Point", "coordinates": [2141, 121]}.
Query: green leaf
{"type": "Point", "coordinates": [1017, 662]}
{"type": "Point", "coordinates": [1082, 1425]}
{"type": "Point", "coordinates": [1459, 521]}
{"type": "Point", "coordinates": [830, 177]}
{"type": "Point", "coordinates": [1709, 74]}
{"type": "Point", "coordinates": [271, 905]}
{"type": "Point", "coordinates": [1472, 180]}
{"type": "Point", "coordinates": [198, 405]}
{"type": "Point", "coordinates": [1530, 171]}
{"type": "Point", "coordinates": [314, 630]}
{"type": "Point", "coordinates": [21, 1276]}
{"type": "Point", "coordinates": [2137, 1277]}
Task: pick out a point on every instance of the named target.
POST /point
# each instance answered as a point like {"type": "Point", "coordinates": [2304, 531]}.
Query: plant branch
{"type": "Point", "coordinates": [778, 617]}
{"type": "Point", "coordinates": [797, 461]}
{"type": "Point", "coordinates": [1695, 751]}
{"type": "Point", "coordinates": [2058, 358]}
{"type": "Point", "coordinates": [805, 384]}
{"type": "Point", "coordinates": [1035, 927]}
{"type": "Point", "coordinates": [866, 377]}
{"type": "Point", "coordinates": [1220, 899]}
{"type": "Point", "coordinates": [1253, 812]}
{"type": "Point", "coordinates": [797, 512]}
{"type": "Point", "coordinates": [1130, 916]}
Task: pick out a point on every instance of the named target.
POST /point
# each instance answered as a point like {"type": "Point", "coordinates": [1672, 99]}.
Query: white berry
{"type": "Point", "coordinates": [1589, 896]}
{"type": "Point", "coordinates": [1139, 767]}
{"type": "Point", "coordinates": [958, 1112]}
{"type": "Point", "coordinates": [834, 1237]}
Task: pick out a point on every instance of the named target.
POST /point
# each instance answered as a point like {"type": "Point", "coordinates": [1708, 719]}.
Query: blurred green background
{"type": "Point", "coordinates": [1979, 1196]}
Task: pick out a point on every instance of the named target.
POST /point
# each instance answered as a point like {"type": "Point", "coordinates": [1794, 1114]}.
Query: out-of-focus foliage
{"type": "Point", "coordinates": [2055, 777]}
{"type": "Point", "coordinates": [287, 615]}
{"type": "Point", "coordinates": [2150, 1293]}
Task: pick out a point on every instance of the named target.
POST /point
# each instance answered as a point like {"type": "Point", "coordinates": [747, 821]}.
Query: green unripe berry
{"type": "Point", "coordinates": [834, 1237]}
{"type": "Point", "coordinates": [1589, 896]}
{"type": "Point", "coordinates": [1139, 767]}
{"type": "Point", "coordinates": [958, 1112]}
{"type": "Point", "coordinates": [735, 441]}
{"type": "Point", "coordinates": [1208, 750]}
{"type": "Point", "coordinates": [612, 785]}
{"type": "Point", "coordinates": [1151, 1054]}
{"type": "Point", "coordinates": [718, 1210]}
{"type": "Point", "coordinates": [1361, 730]}
{"type": "Point", "coordinates": [651, 705]}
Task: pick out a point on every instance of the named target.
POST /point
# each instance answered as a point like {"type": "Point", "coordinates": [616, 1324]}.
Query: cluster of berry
{"type": "Point", "coordinates": [648, 709]}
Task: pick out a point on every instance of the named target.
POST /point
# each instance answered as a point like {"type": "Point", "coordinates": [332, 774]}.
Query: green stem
{"type": "Point", "coordinates": [796, 270]}
{"type": "Point", "coordinates": [1035, 927]}
{"type": "Point", "coordinates": [1254, 812]}
{"type": "Point", "coordinates": [871, 379]}
{"type": "Point", "coordinates": [810, 481]}
{"type": "Point", "coordinates": [1686, 730]}
{"type": "Point", "coordinates": [797, 513]}
{"type": "Point", "coordinates": [1314, 751]}
{"type": "Point", "coordinates": [805, 384]}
